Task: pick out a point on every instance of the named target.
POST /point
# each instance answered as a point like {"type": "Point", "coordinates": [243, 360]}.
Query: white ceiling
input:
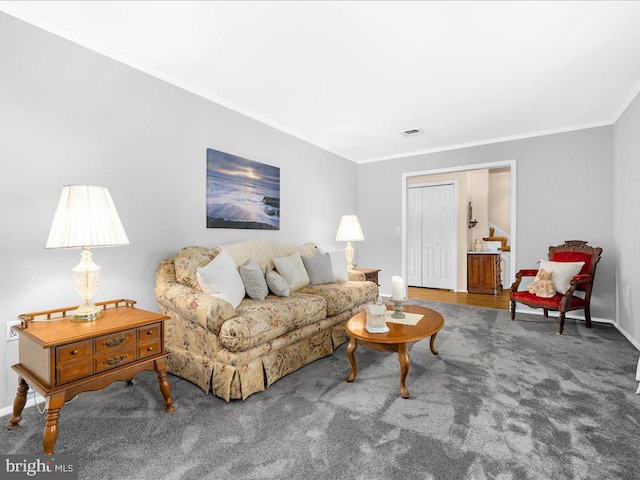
{"type": "Point", "coordinates": [349, 76]}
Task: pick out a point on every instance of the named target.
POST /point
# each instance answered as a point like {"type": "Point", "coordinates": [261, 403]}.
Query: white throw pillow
{"type": "Point", "coordinates": [563, 272]}
{"type": "Point", "coordinates": [338, 263]}
{"type": "Point", "coordinates": [221, 279]}
{"type": "Point", "coordinates": [277, 284]}
{"type": "Point", "coordinates": [292, 270]}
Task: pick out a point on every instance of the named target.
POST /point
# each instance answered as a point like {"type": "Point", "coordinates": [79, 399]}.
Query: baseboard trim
{"type": "Point", "coordinates": [633, 342]}
{"type": "Point", "coordinates": [30, 403]}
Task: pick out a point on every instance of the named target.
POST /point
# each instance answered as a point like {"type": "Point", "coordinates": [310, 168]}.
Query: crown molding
{"type": "Point", "coordinates": [487, 142]}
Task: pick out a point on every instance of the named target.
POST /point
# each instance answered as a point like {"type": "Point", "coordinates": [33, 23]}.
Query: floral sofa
{"type": "Point", "coordinates": [235, 352]}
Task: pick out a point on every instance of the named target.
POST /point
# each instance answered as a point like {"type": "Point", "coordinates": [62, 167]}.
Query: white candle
{"type": "Point", "coordinates": [397, 288]}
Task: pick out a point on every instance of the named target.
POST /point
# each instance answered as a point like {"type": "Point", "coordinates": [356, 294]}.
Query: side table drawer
{"type": "Point", "coordinates": [113, 341]}
{"type": "Point", "coordinates": [148, 349]}
{"type": "Point", "coordinates": [71, 371]}
{"type": "Point", "coordinates": [73, 351]}
{"type": "Point", "coordinates": [114, 359]}
{"type": "Point", "coordinates": [149, 332]}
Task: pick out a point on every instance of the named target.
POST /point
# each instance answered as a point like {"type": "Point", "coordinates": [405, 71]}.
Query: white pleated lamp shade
{"type": "Point", "coordinates": [349, 229]}
{"type": "Point", "coordinates": [86, 217]}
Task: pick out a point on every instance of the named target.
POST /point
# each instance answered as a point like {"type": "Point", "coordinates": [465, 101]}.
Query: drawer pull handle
{"type": "Point", "coordinates": [115, 360]}
{"type": "Point", "coordinates": [150, 332]}
{"type": "Point", "coordinates": [114, 342]}
{"type": "Point", "coordinates": [150, 349]}
{"type": "Point", "coordinates": [74, 352]}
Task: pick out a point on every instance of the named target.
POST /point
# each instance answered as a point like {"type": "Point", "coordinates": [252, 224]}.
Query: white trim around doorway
{"type": "Point", "coordinates": [463, 168]}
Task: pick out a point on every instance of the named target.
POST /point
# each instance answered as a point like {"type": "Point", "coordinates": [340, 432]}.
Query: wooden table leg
{"type": "Point", "coordinates": [54, 405]}
{"type": "Point", "coordinates": [432, 342]}
{"type": "Point", "coordinates": [403, 357]}
{"type": "Point", "coordinates": [19, 403]}
{"type": "Point", "coordinates": [165, 388]}
{"type": "Point", "coordinates": [353, 344]}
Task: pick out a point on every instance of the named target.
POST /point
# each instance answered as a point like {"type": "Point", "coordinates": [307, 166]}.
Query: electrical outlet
{"type": "Point", "coordinates": [11, 335]}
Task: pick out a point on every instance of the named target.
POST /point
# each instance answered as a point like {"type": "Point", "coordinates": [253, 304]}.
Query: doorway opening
{"type": "Point", "coordinates": [491, 189]}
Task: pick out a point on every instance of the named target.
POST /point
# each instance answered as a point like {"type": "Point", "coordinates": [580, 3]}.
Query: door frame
{"type": "Point", "coordinates": [463, 168]}
{"type": "Point", "coordinates": [454, 260]}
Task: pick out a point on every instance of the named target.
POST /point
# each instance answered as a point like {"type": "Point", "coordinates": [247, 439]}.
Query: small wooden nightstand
{"type": "Point", "coordinates": [371, 274]}
{"type": "Point", "coordinates": [60, 358]}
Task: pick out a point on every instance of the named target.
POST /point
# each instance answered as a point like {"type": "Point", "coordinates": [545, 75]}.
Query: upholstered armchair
{"type": "Point", "coordinates": [563, 301]}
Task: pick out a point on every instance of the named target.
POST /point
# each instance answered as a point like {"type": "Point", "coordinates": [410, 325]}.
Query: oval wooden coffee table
{"type": "Point", "coordinates": [399, 339]}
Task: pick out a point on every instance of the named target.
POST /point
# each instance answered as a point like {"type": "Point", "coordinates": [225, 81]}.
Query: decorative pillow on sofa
{"type": "Point", "coordinates": [338, 264]}
{"type": "Point", "coordinates": [277, 284]}
{"type": "Point", "coordinates": [187, 262]}
{"type": "Point", "coordinates": [253, 279]}
{"type": "Point", "coordinates": [319, 269]}
{"type": "Point", "coordinates": [563, 272]}
{"type": "Point", "coordinates": [221, 279]}
{"type": "Point", "coordinates": [292, 270]}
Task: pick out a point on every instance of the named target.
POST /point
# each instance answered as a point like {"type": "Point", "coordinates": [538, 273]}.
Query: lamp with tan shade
{"type": "Point", "coordinates": [349, 231]}
{"type": "Point", "coordinates": [86, 217]}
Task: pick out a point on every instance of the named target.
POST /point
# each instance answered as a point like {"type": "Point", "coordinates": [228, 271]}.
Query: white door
{"type": "Point", "coordinates": [414, 237]}
{"type": "Point", "coordinates": [431, 221]}
{"type": "Point", "coordinates": [438, 221]}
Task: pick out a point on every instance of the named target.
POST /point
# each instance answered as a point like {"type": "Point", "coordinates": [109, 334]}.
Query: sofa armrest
{"type": "Point", "coordinates": [355, 276]}
{"type": "Point", "coordinates": [202, 309]}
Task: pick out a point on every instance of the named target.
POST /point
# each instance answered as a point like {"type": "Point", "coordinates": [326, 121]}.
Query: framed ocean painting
{"type": "Point", "coordinates": [241, 193]}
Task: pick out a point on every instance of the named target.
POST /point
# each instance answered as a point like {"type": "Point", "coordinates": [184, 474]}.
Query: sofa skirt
{"type": "Point", "coordinates": [236, 375]}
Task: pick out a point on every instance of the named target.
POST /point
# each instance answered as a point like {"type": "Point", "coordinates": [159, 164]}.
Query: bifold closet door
{"type": "Point", "coordinates": [430, 236]}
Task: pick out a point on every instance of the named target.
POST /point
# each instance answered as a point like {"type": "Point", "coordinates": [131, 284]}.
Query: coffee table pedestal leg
{"type": "Point", "coordinates": [403, 358]}
{"type": "Point", "coordinates": [432, 344]}
{"type": "Point", "coordinates": [353, 344]}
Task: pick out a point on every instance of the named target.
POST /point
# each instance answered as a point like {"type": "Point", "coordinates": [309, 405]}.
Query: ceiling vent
{"type": "Point", "coordinates": [412, 132]}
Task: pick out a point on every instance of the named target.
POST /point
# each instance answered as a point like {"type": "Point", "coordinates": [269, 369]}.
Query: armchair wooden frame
{"type": "Point", "coordinates": [575, 250]}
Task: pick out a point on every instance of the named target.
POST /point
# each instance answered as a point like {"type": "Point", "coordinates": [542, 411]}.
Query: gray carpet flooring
{"type": "Point", "coordinates": [503, 400]}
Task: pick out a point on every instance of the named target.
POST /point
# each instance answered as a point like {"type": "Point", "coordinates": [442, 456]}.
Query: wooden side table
{"type": "Point", "coordinates": [60, 359]}
{"type": "Point", "coordinates": [371, 274]}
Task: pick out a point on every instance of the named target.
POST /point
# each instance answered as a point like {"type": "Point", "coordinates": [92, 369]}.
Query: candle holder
{"type": "Point", "coordinates": [397, 307]}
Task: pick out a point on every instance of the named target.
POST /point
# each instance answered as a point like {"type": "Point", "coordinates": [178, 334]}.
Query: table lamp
{"type": "Point", "coordinates": [349, 231]}
{"type": "Point", "coordinates": [86, 217]}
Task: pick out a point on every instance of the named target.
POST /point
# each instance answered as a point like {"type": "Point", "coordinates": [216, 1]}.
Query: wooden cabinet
{"type": "Point", "coordinates": [60, 358]}
{"type": "Point", "coordinates": [483, 273]}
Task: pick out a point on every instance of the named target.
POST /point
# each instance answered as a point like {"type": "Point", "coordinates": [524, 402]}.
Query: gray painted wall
{"type": "Point", "coordinates": [626, 147]}
{"type": "Point", "coordinates": [564, 191]}
{"type": "Point", "coordinates": [69, 115]}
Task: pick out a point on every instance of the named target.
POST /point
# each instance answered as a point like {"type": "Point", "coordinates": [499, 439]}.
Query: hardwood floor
{"type": "Point", "coordinates": [462, 298]}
